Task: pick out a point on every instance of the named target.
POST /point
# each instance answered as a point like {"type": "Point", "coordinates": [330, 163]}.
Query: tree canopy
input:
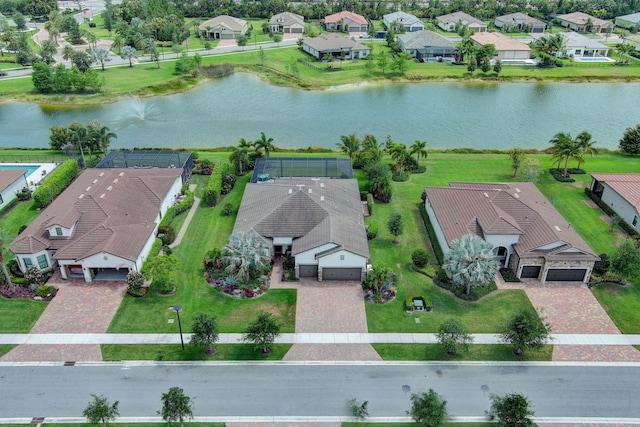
{"type": "Point", "coordinates": [470, 262]}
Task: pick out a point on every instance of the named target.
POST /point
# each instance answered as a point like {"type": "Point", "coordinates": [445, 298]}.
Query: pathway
{"type": "Point", "coordinates": [327, 307]}
{"type": "Point", "coordinates": [571, 308]}
{"type": "Point", "coordinates": [187, 221]}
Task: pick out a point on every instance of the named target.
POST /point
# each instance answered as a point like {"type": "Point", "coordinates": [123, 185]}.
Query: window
{"type": "Point", "coordinates": [635, 220]}
{"type": "Point", "coordinates": [1, 201]}
{"type": "Point", "coordinates": [341, 257]}
{"type": "Point", "coordinates": [42, 261]}
{"type": "Point", "coordinates": [27, 262]}
{"type": "Point", "coordinates": [58, 231]}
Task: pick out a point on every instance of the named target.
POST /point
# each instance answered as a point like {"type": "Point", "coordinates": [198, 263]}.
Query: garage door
{"type": "Point", "coordinates": [566, 275]}
{"type": "Point", "coordinates": [296, 30]}
{"type": "Point", "coordinates": [308, 270]}
{"type": "Point", "coordinates": [530, 272]}
{"type": "Point", "coordinates": [341, 273]}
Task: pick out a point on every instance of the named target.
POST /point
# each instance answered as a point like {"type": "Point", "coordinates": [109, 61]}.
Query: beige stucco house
{"type": "Point", "coordinates": [223, 27]}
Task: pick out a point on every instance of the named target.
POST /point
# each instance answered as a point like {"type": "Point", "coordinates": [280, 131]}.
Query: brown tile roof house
{"type": "Point", "coordinates": [287, 22]}
{"type": "Point", "coordinates": [345, 20]}
{"type": "Point", "coordinates": [449, 21]}
{"type": "Point", "coordinates": [11, 182]}
{"type": "Point", "coordinates": [507, 48]}
{"type": "Point", "coordinates": [319, 221]}
{"type": "Point", "coordinates": [106, 219]}
{"type": "Point", "coordinates": [223, 27]}
{"type": "Point", "coordinates": [519, 21]}
{"type": "Point", "coordinates": [580, 21]}
{"type": "Point", "coordinates": [336, 45]}
{"type": "Point", "coordinates": [529, 235]}
{"type": "Point", "coordinates": [620, 191]}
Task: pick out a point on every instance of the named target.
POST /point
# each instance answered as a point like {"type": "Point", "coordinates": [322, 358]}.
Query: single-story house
{"type": "Point", "coordinates": [104, 223]}
{"type": "Point", "coordinates": [507, 49]}
{"type": "Point", "coordinates": [629, 22]}
{"type": "Point", "coordinates": [578, 45]}
{"type": "Point", "coordinates": [424, 45]}
{"type": "Point", "coordinates": [12, 181]}
{"type": "Point", "coordinates": [223, 27]}
{"type": "Point", "coordinates": [335, 45]}
{"type": "Point", "coordinates": [527, 233]}
{"type": "Point", "coordinates": [150, 159]}
{"type": "Point", "coordinates": [287, 22]}
{"type": "Point", "coordinates": [319, 221]}
{"type": "Point", "coordinates": [346, 21]}
{"type": "Point", "coordinates": [621, 192]}
{"type": "Point", "coordinates": [397, 20]}
{"type": "Point", "coordinates": [519, 22]}
{"type": "Point", "coordinates": [449, 22]}
{"type": "Point", "coordinates": [580, 21]}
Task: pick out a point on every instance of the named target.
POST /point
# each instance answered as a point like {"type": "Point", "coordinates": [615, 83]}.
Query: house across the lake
{"type": "Point", "coordinates": [527, 233]}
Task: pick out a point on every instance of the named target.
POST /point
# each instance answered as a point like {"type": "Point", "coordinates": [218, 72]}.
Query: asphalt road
{"type": "Point", "coordinates": [285, 389]}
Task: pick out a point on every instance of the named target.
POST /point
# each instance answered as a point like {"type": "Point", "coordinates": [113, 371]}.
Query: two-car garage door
{"type": "Point", "coordinates": [330, 273]}
{"type": "Point", "coordinates": [554, 274]}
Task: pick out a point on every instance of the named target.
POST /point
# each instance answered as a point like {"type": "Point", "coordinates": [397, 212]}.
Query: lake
{"type": "Point", "coordinates": [447, 115]}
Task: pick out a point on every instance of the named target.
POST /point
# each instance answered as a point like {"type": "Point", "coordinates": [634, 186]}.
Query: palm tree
{"type": "Point", "coordinates": [419, 148]}
{"type": "Point", "coordinates": [371, 150]}
{"type": "Point", "coordinates": [101, 135]}
{"type": "Point", "coordinates": [586, 146]}
{"type": "Point", "coordinates": [79, 136]}
{"type": "Point", "coordinates": [400, 154]}
{"type": "Point", "coordinates": [67, 53]}
{"type": "Point", "coordinates": [118, 42]}
{"type": "Point", "coordinates": [100, 55]}
{"type": "Point", "coordinates": [350, 144]}
{"type": "Point", "coordinates": [4, 239]}
{"type": "Point", "coordinates": [265, 144]}
{"type": "Point", "coordinates": [128, 52]}
{"type": "Point", "coordinates": [564, 148]}
{"type": "Point", "coordinates": [240, 158]}
{"type": "Point", "coordinates": [244, 251]}
{"type": "Point", "coordinates": [470, 262]}
{"type": "Point", "coordinates": [465, 48]}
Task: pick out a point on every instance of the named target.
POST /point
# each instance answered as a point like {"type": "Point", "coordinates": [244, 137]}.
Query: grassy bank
{"type": "Point", "coordinates": [146, 79]}
{"type": "Point", "coordinates": [479, 352]}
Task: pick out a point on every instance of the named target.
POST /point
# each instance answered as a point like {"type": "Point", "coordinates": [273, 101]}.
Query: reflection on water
{"type": "Point", "coordinates": [447, 115]}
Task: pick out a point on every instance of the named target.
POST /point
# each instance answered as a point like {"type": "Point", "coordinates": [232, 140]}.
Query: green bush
{"type": "Point", "coordinates": [21, 281]}
{"type": "Point", "coordinates": [420, 258]}
{"type": "Point", "coordinates": [167, 234]}
{"type": "Point", "coordinates": [44, 291]}
{"type": "Point", "coordinates": [370, 203]}
{"type": "Point", "coordinates": [421, 169]}
{"type": "Point", "coordinates": [600, 267]}
{"type": "Point", "coordinates": [576, 171]}
{"type": "Point", "coordinates": [135, 280]}
{"type": "Point", "coordinates": [213, 190]}
{"type": "Point", "coordinates": [55, 183]}
{"type": "Point", "coordinates": [397, 177]}
{"type": "Point", "coordinates": [14, 268]}
{"type": "Point", "coordinates": [509, 276]}
{"type": "Point", "coordinates": [607, 277]}
{"type": "Point", "coordinates": [176, 210]}
{"type": "Point", "coordinates": [475, 293]}
{"type": "Point", "coordinates": [228, 209]}
{"type": "Point", "coordinates": [372, 230]}
{"type": "Point", "coordinates": [557, 175]}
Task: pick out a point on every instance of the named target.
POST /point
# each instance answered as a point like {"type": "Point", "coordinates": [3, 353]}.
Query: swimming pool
{"type": "Point", "coordinates": [595, 59]}
{"type": "Point", "coordinates": [30, 168]}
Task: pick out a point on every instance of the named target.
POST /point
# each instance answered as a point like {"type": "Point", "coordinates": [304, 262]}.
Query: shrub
{"type": "Point", "coordinates": [164, 286]}
{"type": "Point", "coordinates": [176, 210]}
{"type": "Point", "coordinates": [34, 275]}
{"type": "Point", "coordinates": [576, 171]}
{"type": "Point", "coordinates": [167, 234]}
{"type": "Point", "coordinates": [420, 258]}
{"type": "Point", "coordinates": [476, 292]}
{"type": "Point", "coordinates": [401, 177]}
{"type": "Point", "coordinates": [14, 268]}
{"type": "Point", "coordinates": [24, 194]}
{"type": "Point", "coordinates": [248, 292]}
{"type": "Point", "coordinates": [167, 250]}
{"type": "Point", "coordinates": [370, 203]}
{"type": "Point", "coordinates": [21, 281]}
{"type": "Point", "coordinates": [421, 169]}
{"type": "Point", "coordinates": [288, 262]}
{"type": "Point", "coordinates": [213, 190]}
{"type": "Point", "coordinates": [44, 291]}
{"type": "Point", "coordinates": [135, 280]}
{"type": "Point", "coordinates": [602, 266]}
{"type": "Point", "coordinates": [55, 183]}
{"type": "Point", "coordinates": [607, 277]}
{"type": "Point", "coordinates": [228, 182]}
{"type": "Point", "coordinates": [372, 230]}
{"type": "Point", "coordinates": [558, 176]}
{"type": "Point", "coordinates": [509, 276]}
{"type": "Point", "coordinates": [227, 210]}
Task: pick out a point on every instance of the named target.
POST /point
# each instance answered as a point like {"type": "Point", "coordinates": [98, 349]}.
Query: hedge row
{"type": "Point", "coordinates": [214, 187]}
{"type": "Point", "coordinates": [432, 234]}
{"type": "Point", "coordinates": [176, 210]}
{"type": "Point", "coordinates": [55, 183]}
{"type": "Point", "coordinates": [598, 201]}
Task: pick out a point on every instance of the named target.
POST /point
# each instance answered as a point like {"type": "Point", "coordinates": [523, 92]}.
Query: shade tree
{"type": "Point", "coordinates": [262, 332]}
{"type": "Point", "coordinates": [526, 330]}
{"type": "Point", "coordinates": [176, 406]}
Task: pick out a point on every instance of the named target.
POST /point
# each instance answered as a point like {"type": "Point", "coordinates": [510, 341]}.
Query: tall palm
{"type": "Point", "coordinates": [4, 240]}
{"type": "Point", "coordinates": [240, 158]}
{"type": "Point", "coordinates": [564, 148]}
{"type": "Point", "coordinates": [79, 137]}
{"type": "Point", "coordinates": [100, 55]}
{"type": "Point", "coordinates": [400, 154]}
{"type": "Point", "coordinates": [130, 53]}
{"type": "Point", "coordinates": [419, 148]}
{"type": "Point", "coordinates": [244, 251]}
{"type": "Point", "coordinates": [470, 262]}
{"type": "Point", "coordinates": [265, 144]}
{"type": "Point", "coordinates": [586, 145]}
{"type": "Point", "coordinates": [100, 135]}
{"type": "Point", "coordinates": [350, 144]}
{"type": "Point", "coordinates": [465, 48]}
{"type": "Point", "coordinates": [371, 150]}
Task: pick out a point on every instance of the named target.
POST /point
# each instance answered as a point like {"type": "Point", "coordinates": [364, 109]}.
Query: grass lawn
{"type": "Point", "coordinates": [6, 348]}
{"type": "Point", "coordinates": [479, 352]}
{"type": "Point", "coordinates": [208, 229]}
{"type": "Point", "coordinates": [622, 304]}
{"type": "Point", "coordinates": [113, 352]}
{"type": "Point", "coordinates": [191, 424]}
{"type": "Point", "coordinates": [415, 424]}
{"type": "Point", "coordinates": [17, 316]}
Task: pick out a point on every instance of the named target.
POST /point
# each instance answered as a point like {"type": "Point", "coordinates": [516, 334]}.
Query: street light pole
{"type": "Point", "coordinates": [178, 309]}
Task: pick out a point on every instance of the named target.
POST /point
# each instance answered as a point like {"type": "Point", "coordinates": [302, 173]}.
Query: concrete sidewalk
{"type": "Point", "coordinates": [305, 338]}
